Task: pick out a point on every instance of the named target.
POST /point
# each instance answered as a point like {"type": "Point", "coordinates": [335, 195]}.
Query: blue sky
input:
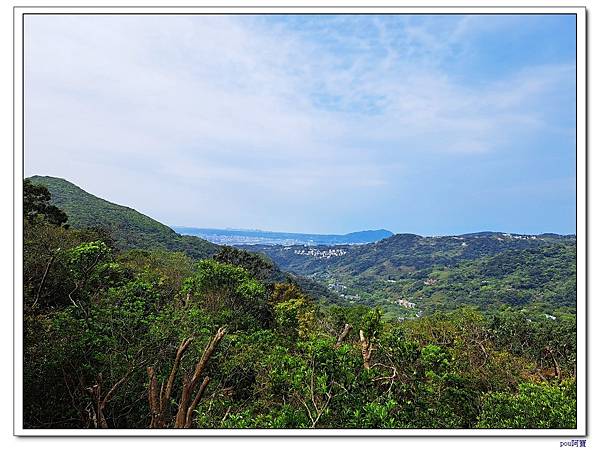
{"type": "Point", "coordinates": [424, 124]}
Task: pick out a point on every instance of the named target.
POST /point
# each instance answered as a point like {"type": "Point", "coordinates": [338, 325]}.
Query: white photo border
{"type": "Point", "coordinates": [581, 208]}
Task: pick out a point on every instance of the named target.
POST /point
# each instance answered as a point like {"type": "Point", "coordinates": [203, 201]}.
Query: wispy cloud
{"type": "Point", "coordinates": [242, 105]}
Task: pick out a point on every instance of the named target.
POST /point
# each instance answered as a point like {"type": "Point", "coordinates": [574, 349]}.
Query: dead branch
{"type": "Point", "coordinates": [97, 414]}
{"type": "Point", "coordinates": [112, 390]}
{"type": "Point", "coordinates": [550, 352]}
{"type": "Point", "coordinates": [189, 386]}
{"type": "Point", "coordinates": [390, 377]}
{"type": "Point", "coordinates": [225, 416]}
{"type": "Point", "coordinates": [194, 404]}
{"type": "Point", "coordinates": [340, 339]}
{"type": "Point", "coordinates": [41, 286]}
{"type": "Point", "coordinates": [159, 402]}
{"type": "Point", "coordinates": [367, 349]}
{"type": "Point", "coordinates": [166, 393]}
{"type": "Point", "coordinates": [100, 402]}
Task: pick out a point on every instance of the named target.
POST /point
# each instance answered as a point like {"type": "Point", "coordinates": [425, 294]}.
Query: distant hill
{"type": "Point", "coordinates": [131, 229]}
{"type": "Point", "coordinates": [259, 237]}
{"type": "Point", "coordinates": [402, 252]}
{"type": "Point", "coordinates": [429, 273]}
{"type": "Point", "coordinates": [128, 227]}
{"type": "Point", "coordinates": [406, 274]}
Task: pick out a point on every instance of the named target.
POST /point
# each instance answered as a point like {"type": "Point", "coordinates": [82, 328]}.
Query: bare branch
{"type": "Point", "coordinates": [366, 348]}
{"type": "Point", "coordinates": [39, 291]}
{"type": "Point", "coordinates": [166, 394]}
{"type": "Point", "coordinates": [340, 339]}
{"type": "Point", "coordinates": [190, 384]}
{"type": "Point", "coordinates": [194, 404]}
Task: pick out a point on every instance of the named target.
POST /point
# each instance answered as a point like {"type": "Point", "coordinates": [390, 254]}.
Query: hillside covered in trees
{"type": "Point", "coordinates": [126, 331]}
{"type": "Point", "coordinates": [408, 275]}
{"type": "Point", "coordinates": [126, 226]}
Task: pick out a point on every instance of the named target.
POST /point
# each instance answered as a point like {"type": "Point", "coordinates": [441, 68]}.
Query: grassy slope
{"type": "Point", "coordinates": [129, 228]}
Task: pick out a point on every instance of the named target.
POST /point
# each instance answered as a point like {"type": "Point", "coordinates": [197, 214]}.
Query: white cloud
{"type": "Point", "coordinates": [234, 105]}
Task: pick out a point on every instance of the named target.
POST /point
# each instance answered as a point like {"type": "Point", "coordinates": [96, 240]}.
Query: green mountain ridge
{"type": "Point", "coordinates": [131, 229]}
{"type": "Point", "coordinates": [403, 252]}
{"type": "Point", "coordinates": [405, 274]}
{"type": "Point", "coordinates": [128, 227]}
{"type": "Point", "coordinates": [408, 274]}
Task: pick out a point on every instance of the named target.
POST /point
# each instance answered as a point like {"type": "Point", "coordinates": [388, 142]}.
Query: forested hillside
{"type": "Point", "coordinates": [148, 338]}
{"type": "Point", "coordinates": [127, 227]}
{"type": "Point", "coordinates": [409, 275]}
{"type": "Point", "coordinates": [403, 252]}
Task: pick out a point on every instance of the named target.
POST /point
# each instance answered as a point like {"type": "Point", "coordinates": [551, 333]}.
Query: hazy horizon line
{"type": "Point", "coordinates": [337, 233]}
{"type": "Point", "coordinates": [367, 230]}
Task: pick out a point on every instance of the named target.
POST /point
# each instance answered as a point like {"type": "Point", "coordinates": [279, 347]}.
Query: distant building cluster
{"type": "Point", "coordinates": [232, 240]}
{"type": "Point", "coordinates": [337, 287]}
{"type": "Point", "coordinates": [405, 303]}
{"type": "Point", "coordinates": [518, 236]}
{"type": "Point", "coordinates": [321, 254]}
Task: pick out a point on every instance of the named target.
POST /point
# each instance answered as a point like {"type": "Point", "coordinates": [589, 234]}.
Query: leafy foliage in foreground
{"type": "Point", "coordinates": [540, 405]}
{"type": "Point", "coordinates": [151, 338]}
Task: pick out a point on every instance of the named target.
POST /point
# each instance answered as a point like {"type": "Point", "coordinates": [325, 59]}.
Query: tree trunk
{"type": "Point", "coordinates": [156, 413]}
{"type": "Point", "coordinates": [99, 403]}
{"type": "Point", "coordinates": [557, 373]}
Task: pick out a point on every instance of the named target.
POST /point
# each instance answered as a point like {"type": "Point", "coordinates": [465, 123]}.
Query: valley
{"type": "Point", "coordinates": [405, 332]}
{"type": "Point", "coordinates": [408, 275]}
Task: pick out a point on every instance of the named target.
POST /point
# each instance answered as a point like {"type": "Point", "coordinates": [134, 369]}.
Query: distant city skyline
{"type": "Point", "coordinates": [428, 124]}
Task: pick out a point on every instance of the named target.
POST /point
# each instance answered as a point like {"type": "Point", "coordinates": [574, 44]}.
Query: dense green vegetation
{"type": "Point", "coordinates": [118, 337]}
{"type": "Point", "coordinates": [488, 270]}
{"type": "Point", "coordinates": [124, 228]}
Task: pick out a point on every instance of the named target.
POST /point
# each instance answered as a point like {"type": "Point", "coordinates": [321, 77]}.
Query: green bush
{"type": "Point", "coordinates": [542, 405]}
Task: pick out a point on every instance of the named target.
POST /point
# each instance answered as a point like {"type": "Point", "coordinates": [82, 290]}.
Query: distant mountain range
{"type": "Point", "coordinates": [404, 252]}
{"type": "Point", "coordinates": [405, 274]}
{"type": "Point", "coordinates": [259, 237]}
{"type": "Point", "coordinates": [131, 229]}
